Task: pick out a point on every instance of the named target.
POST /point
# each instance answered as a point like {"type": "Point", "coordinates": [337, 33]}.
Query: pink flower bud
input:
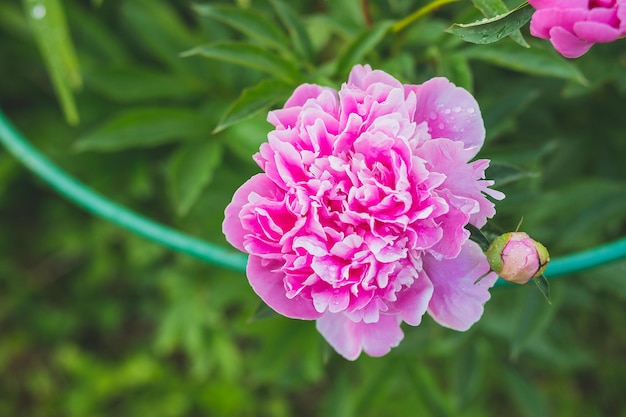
{"type": "Point", "coordinates": [517, 258]}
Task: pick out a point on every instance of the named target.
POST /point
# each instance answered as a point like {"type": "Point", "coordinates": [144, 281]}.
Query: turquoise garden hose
{"type": "Point", "coordinates": [213, 254]}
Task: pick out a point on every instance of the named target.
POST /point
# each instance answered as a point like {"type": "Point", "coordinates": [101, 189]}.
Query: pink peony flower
{"type": "Point", "coordinates": [517, 258]}
{"type": "Point", "coordinates": [573, 26]}
{"type": "Point", "coordinates": [358, 218]}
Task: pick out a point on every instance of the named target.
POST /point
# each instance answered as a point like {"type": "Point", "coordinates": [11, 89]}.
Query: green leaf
{"type": "Point", "coordinates": [502, 173]}
{"type": "Point", "coordinates": [248, 55]}
{"type": "Point", "coordinates": [533, 61]}
{"type": "Point", "coordinates": [254, 100]}
{"type": "Point", "coordinates": [190, 170]}
{"type": "Point", "coordinates": [477, 236]}
{"type": "Point", "coordinates": [526, 395]}
{"type": "Point", "coordinates": [456, 68]}
{"type": "Point", "coordinates": [361, 46]}
{"type": "Point", "coordinates": [159, 30]}
{"type": "Point", "coordinates": [47, 20]}
{"type": "Point", "coordinates": [534, 316]}
{"type": "Point", "coordinates": [296, 29]}
{"type": "Point", "coordinates": [263, 311]}
{"type": "Point", "coordinates": [491, 8]}
{"type": "Point", "coordinates": [544, 287]}
{"type": "Point", "coordinates": [245, 138]}
{"type": "Point", "coordinates": [144, 127]}
{"type": "Point", "coordinates": [128, 84]}
{"type": "Point", "coordinates": [493, 29]}
{"type": "Point", "coordinates": [247, 21]}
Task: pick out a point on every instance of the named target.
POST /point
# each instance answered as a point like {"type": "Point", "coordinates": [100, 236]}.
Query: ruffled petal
{"type": "Point", "coordinates": [269, 285]}
{"type": "Point", "coordinates": [457, 302]}
{"type": "Point", "coordinates": [451, 112]}
{"type": "Point", "coordinates": [349, 338]}
{"type": "Point", "coordinates": [231, 226]}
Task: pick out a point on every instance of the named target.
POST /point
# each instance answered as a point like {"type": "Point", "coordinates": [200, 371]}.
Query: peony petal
{"type": "Point", "coordinates": [595, 32]}
{"type": "Point", "coordinates": [349, 338]}
{"type": "Point", "coordinates": [542, 4]}
{"type": "Point", "coordinates": [457, 302]}
{"type": "Point", "coordinates": [568, 44]}
{"type": "Point", "coordinates": [269, 285]}
{"type": "Point", "coordinates": [451, 112]}
{"type": "Point", "coordinates": [412, 302]}
{"type": "Point", "coordinates": [546, 19]}
{"type": "Point", "coordinates": [234, 232]}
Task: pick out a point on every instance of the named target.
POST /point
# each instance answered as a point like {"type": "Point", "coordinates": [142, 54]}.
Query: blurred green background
{"type": "Point", "coordinates": [95, 321]}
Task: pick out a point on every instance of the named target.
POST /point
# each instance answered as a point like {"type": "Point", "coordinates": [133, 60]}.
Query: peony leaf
{"type": "Point", "coordinates": [144, 127]}
{"type": "Point", "coordinates": [263, 311]}
{"type": "Point", "coordinates": [190, 170]}
{"type": "Point", "coordinates": [248, 55]}
{"type": "Point", "coordinates": [491, 8]}
{"type": "Point", "coordinates": [296, 29]}
{"type": "Point", "coordinates": [252, 101]}
{"type": "Point", "coordinates": [128, 84]}
{"type": "Point", "coordinates": [248, 21]}
{"type": "Point", "coordinates": [49, 26]}
{"type": "Point", "coordinates": [544, 287]}
{"type": "Point", "coordinates": [533, 61]}
{"type": "Point", "coordinates": [477, 236]}
{"type": "Point", "coordinates": [527, 397]}
{"type": "Point", "coordinates": [534, 316]}
{"type": "Point", "coordinates": [361, 46]}
{"type": "Point", "coordinates": [493, 29]}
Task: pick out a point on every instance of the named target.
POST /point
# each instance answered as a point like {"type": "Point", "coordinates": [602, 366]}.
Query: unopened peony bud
{"type": "Point", "coordinates": [517, 258]}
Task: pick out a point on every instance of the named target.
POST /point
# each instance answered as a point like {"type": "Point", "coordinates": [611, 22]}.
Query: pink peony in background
{"type": "Point", "coordinates": [573, 26]}
{"type": "Point", "coordinates": [358, 219]}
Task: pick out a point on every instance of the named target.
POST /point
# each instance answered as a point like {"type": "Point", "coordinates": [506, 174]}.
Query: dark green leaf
{"type": "Point", "coordinates": [476, 235]}
{"type": "Point", "coordinates": [533, 61]}
{"type": "Point", "coordinates": [248, 21]}
{"type": "Point", "coordinates": [502, 173]}
{"type": "Point", "coordinates": [456, 68]}
{"type": "Point", "coordinates": [144, 127]}
{"type": "Point", "coordinates": [361, 46]}
{"type": "Point", "coordinates": [493, 29]}
{"type": "Point", "coordinates": [534, 316]}
{"type": "Point", "coordinates": [491, 8]}
{"type": "Point", "coordinates": [128, 84]}
{"type": "Point", "coordinates": [526, 394]}
{"type": "Point", "coordinates": [47, 20]}
{"type": "Point", "coordinates": [296, 28]}
{"type": "Point", "coordinates": [245, 138]}
{"type": "Point", "coordinates": [190, 170]}
{"type": "Point", "coordinates": [263, 311]}
{"type": "Point", "coordinates": [544, 287]}
{"type": "Point", "coordinates": [248, 55]}
{"type": "Point", "coordinates": [254, 100]}
{"type": "Point", "coordinates": [160, 31]}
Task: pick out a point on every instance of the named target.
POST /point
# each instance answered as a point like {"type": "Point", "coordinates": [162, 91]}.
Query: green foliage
{"type": "Point", "coordinates": [98, 322]}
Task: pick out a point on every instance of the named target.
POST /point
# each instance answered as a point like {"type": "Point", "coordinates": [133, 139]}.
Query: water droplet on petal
{"type": "Point", "coordinates": [38, 12]}
{"type": "Point", "coordinates": [470, 110]}
{"type": "Point", "coordinates": [441, 125]}
{"type": "Point", "coordinates": [457, 109]}
{"type": "Point", "coordinates": [447, 111]}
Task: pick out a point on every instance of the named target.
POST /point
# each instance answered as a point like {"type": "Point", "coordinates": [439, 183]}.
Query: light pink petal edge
{"type": "Point", "coordinates": [349, 338]}
{"type": "Point", "coordinates": [269, 285]}
{"type": "Point", "coordinates": [457, 302]}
